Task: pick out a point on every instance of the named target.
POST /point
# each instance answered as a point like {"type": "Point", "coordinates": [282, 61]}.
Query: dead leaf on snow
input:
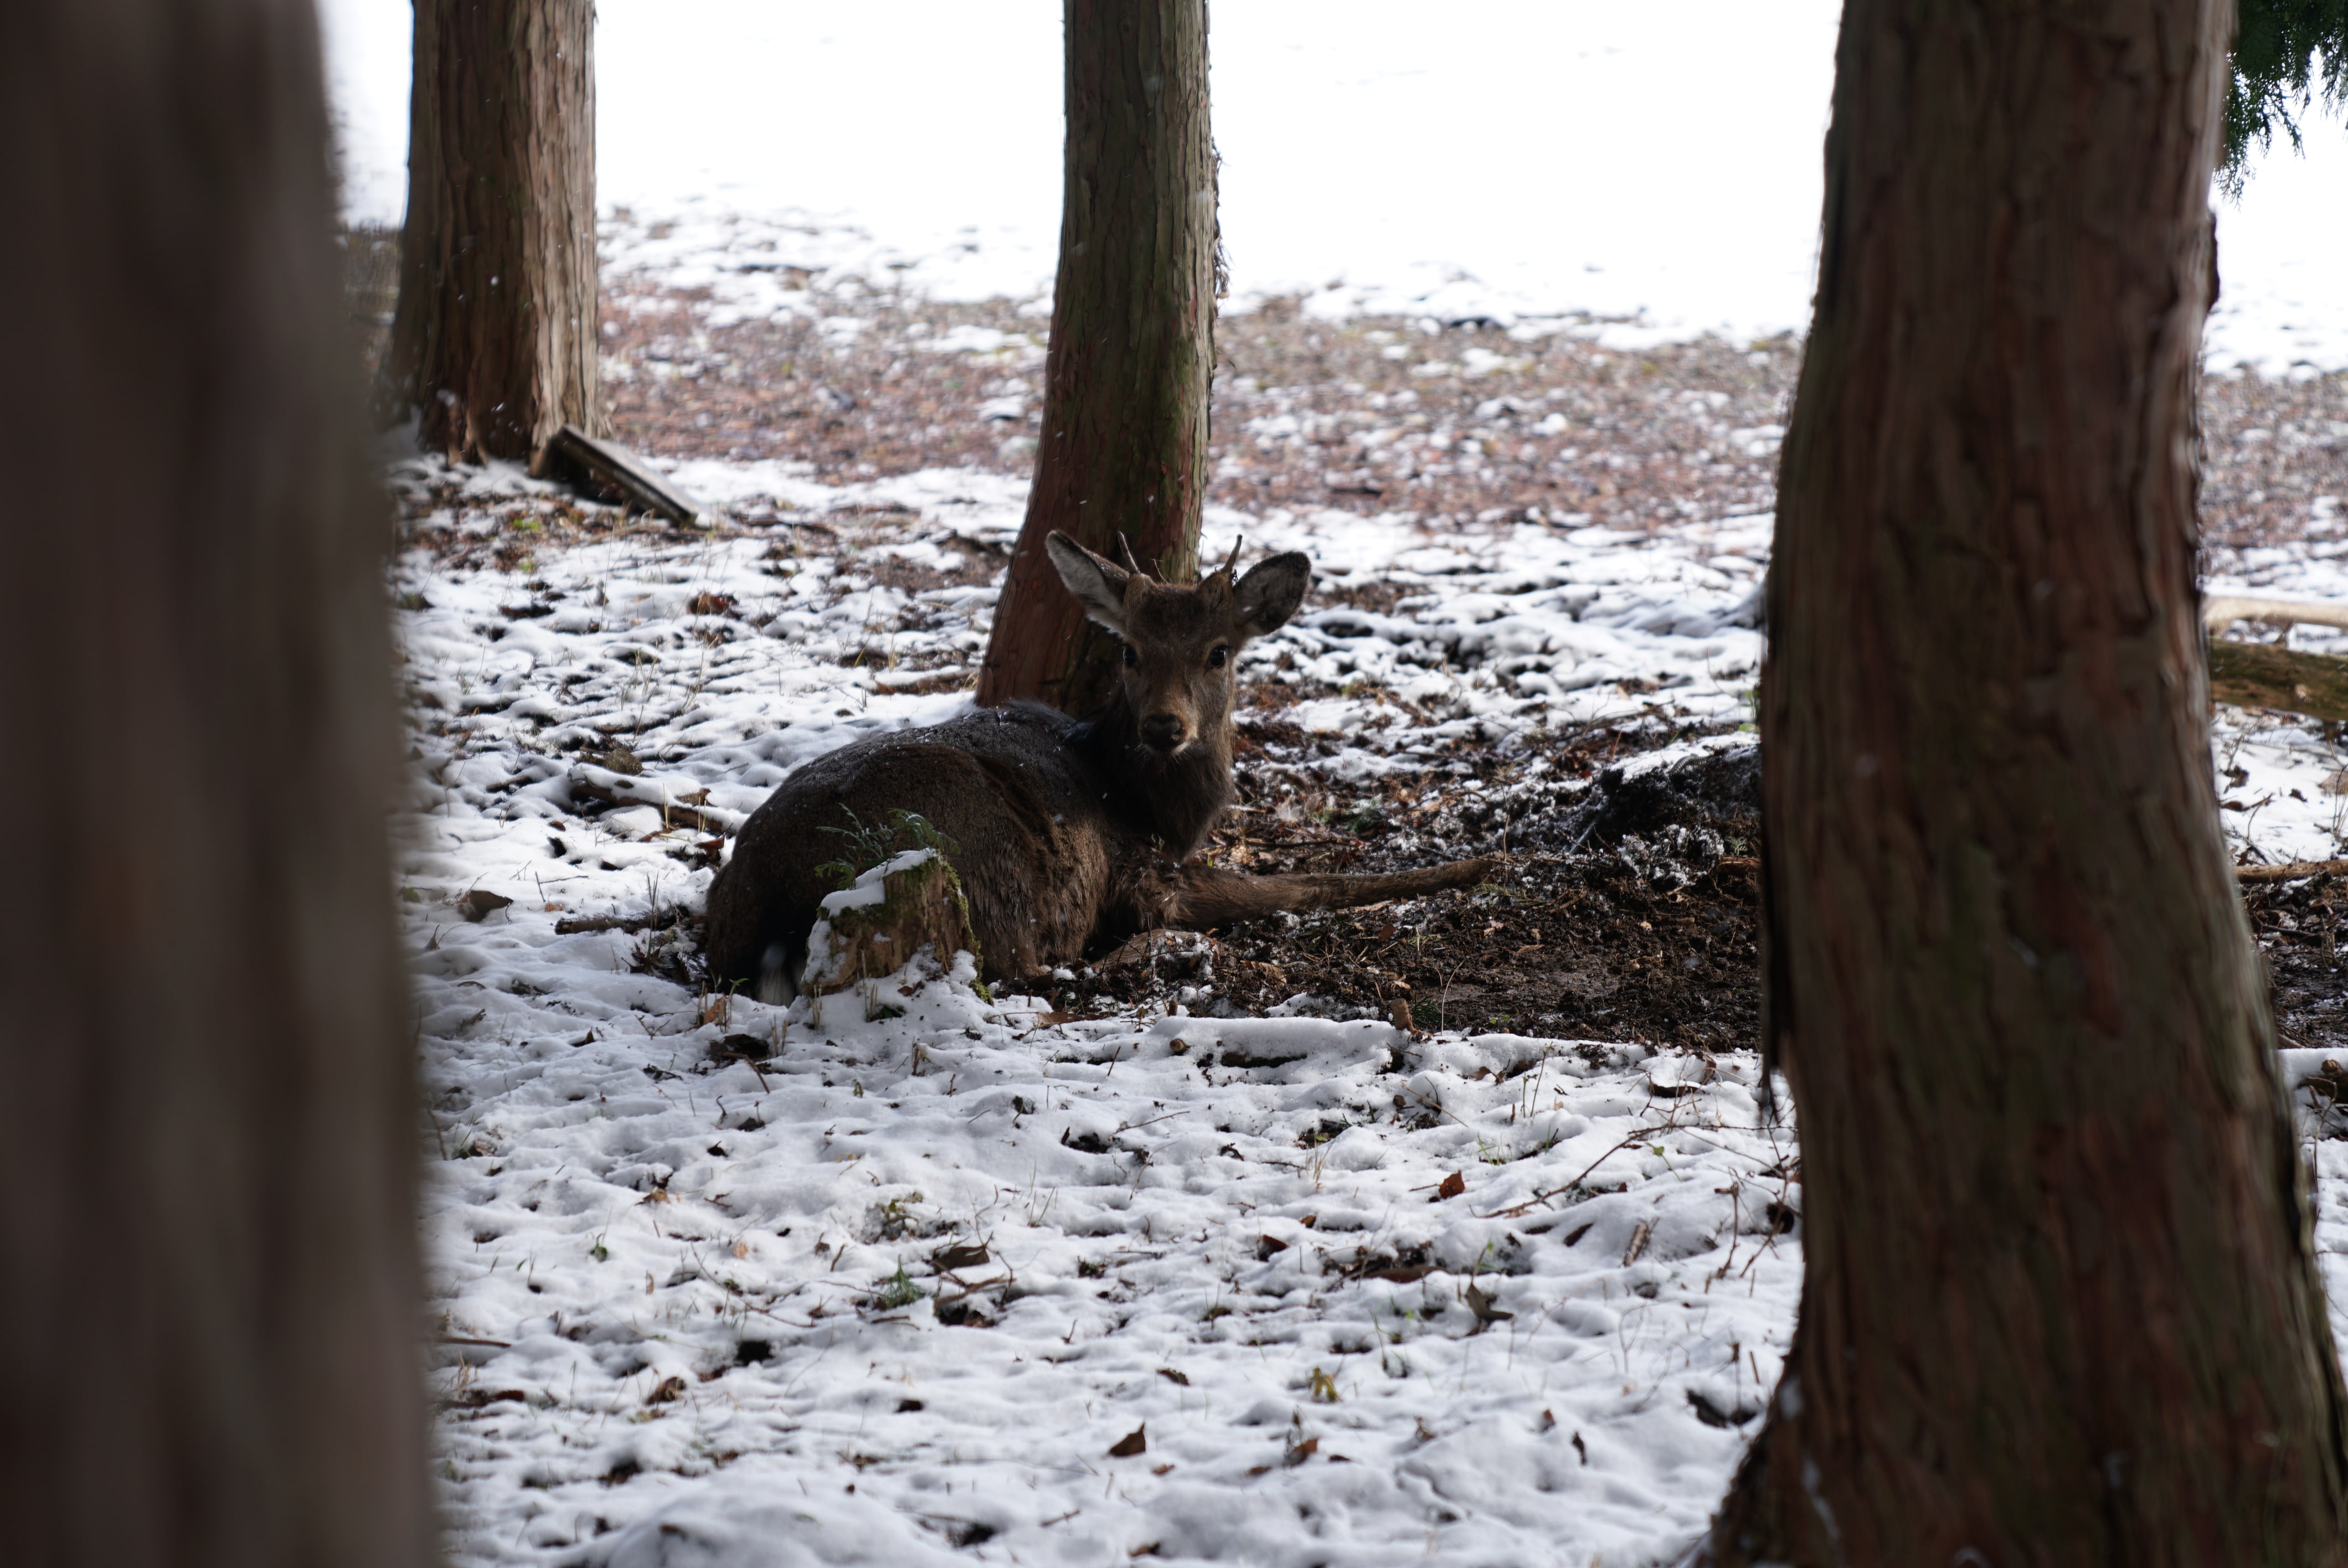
{"type": "Point", "coordinates": [960, 1254]}
{"type": "Point", "coordinates": [1404, 1273]}
{"type": "Point", "coordinates": [1481, 1303]}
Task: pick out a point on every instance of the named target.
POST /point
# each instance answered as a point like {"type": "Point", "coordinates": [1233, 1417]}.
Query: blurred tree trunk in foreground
{"type": "Point", "coordinates": [1123, 447]}
{"type": "Point", "coordinates": [2059, 1305]}
{"type": "Point", "coordinates": [212, 1284]}
{"type": "Point", "coordinates": [494, 344]}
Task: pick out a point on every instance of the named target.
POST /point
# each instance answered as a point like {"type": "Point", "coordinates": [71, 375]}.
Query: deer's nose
{"type": "Point", "coordinates": [1163, 732]}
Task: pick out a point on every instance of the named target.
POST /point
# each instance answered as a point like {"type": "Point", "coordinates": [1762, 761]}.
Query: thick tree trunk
{"type": "Point", "coordinates": [210, 1243]}
{"type": "Point", "coordinates": [494, 344]}
{"type": "Point", "coordinates": [2059, 1303]}
{"type": "Point", "coordinates": [1124, 448]}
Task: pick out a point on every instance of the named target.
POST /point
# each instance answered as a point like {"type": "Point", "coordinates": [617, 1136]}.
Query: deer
{"type": "Point", "coordinates": [1069, 834]}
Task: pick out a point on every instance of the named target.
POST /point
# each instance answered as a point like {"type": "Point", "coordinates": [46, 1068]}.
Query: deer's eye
{"type": "Point", "coordinates": [1219, 658]}
{"type": "Point", "coordinates": [1132, 659]}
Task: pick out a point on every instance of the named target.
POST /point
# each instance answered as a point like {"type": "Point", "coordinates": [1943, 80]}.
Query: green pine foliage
{"type": "Point", "coordinates": [2287, 53]}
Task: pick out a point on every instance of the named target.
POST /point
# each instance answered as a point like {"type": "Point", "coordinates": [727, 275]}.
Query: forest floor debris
{"type": "Point", "coordinates": [1450, 1231]}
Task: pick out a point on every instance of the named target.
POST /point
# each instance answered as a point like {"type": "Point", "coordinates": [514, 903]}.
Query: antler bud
{"type": "Point", "coordinates": [1125, 549]}
{"type": "Point", "coordinates": [1230, 566]}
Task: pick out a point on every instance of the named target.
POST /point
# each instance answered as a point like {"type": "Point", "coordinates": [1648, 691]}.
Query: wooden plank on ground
{"type": "Point", "coordinates": [616, 469]}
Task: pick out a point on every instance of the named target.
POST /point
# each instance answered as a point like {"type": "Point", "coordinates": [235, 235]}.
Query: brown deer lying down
{"type": "Point", "coordinates": [1072, 835]}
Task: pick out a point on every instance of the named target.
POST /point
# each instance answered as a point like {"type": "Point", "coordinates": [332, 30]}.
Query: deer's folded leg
{"type": "Point", "coordinates": [1202, 896]}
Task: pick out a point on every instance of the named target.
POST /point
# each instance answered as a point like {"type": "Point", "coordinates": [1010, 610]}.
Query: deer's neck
{"type": "Point", "coordinates": [1172, 801]}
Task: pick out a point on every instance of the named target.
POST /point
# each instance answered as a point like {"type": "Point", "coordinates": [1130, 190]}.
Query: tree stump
{"type": "Point", "coordinates": [880, 923]}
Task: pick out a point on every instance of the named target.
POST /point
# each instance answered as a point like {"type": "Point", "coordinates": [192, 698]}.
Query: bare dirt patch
{"type": "Point", "coordinates": [1635, 924]}
{"type": "Point", "coordinates": [2297, 928]}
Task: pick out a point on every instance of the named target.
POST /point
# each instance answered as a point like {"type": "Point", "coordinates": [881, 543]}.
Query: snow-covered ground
{"type": "Point", "coordinates": [2280, 777]}
{"type": "Point", "coordinates": [1504, 157]}
{"type": "Point", "coordinates": [907, 1285]}
{"type": "Point", "coordinates": [967, 1279]}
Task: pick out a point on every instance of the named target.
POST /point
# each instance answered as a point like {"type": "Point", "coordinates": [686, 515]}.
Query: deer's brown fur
{"type": "Point", "coordinates": [1071, 835]}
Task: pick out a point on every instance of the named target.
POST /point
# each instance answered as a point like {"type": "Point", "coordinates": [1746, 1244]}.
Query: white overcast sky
{"type": "Point", "coordinates": [1563, 154]}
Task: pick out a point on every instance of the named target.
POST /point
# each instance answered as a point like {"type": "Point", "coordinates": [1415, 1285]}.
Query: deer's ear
{"type": "Point", "coordinates": [1271, 591]}
{"type": "Point", "coordinates": [1098, 585]}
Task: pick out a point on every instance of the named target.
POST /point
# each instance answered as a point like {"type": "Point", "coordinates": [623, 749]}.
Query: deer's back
{"type": "Point", "coordinates": [1037, 845]}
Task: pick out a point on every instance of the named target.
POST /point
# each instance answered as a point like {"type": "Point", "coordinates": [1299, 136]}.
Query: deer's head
{"type": "Point", "coordinates": [1182, 644]}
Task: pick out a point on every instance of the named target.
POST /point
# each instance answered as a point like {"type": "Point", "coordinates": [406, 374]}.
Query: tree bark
{"type": "Point", "coordinates": [211, 1251]}
{"type": "Point", "coordinates": [2059, 1303]}
{"type": "Point", "coordinates": [494, 344]}
{"type": "Point", "coordinates": [1123, 447]}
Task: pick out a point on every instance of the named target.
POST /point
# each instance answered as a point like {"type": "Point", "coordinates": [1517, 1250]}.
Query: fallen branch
{"type": "Point", "coordinates": [1645, 1135]}
{"type": "Point", "coordinates": [619, 789]}
{"type": "Point", "coordinates": [632, 923]}
{"type": "Point", "coordinates": [725, 1052]}
{"type": "Point", "coordinates": [2227, 608]}
{"type": "Point", "coordinates": [2269, 675]}
{"type": "Point", "coordinates": [2290, 871]}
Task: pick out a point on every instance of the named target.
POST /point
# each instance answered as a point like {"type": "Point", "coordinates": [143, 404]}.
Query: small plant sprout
{"type": "Point", "coordinates": [901, 1290]}
{"type": "Point", "coordinates": [895, 1217]}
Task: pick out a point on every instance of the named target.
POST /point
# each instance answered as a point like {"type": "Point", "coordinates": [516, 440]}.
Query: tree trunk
{"type": "Point", "coordinates": [213, 1284]}
{"type": "Point", "coordinates": [494, 344]}
{"type": "Point", "coordinates": [1124, 448]}
{"type": "Point", "coordinates": [2059, 1303]}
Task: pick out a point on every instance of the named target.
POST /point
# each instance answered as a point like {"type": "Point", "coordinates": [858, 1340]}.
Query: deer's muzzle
{"type": "Point", "coordinates": [1164, 732]}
